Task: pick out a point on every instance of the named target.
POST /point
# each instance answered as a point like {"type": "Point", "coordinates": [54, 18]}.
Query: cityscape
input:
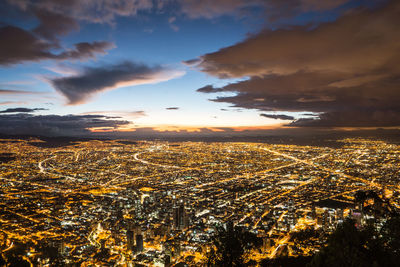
{"type": "Point", "coordinates": [215, 133]}
{"type": "Point", "coordinates": [159, 203]}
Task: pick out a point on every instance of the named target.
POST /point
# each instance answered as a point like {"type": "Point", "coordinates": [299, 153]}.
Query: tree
{"type": "Point", "coordinates": [390, 236]}
{"type": "Point", "coordinates": [300, 261]}
{"type": "Point", "coordinates": [229, 246]}
{"type": "Point", "coordinates": [348, 246]}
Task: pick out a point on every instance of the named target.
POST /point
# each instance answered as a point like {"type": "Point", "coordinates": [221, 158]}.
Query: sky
{"type": "Point", "coordinates": [212, 67]}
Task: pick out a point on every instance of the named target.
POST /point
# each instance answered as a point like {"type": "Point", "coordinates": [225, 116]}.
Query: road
{"type": "Point", "coordinates": [154, 164]}
{"type": "Point", "coordinates": [40, 164]}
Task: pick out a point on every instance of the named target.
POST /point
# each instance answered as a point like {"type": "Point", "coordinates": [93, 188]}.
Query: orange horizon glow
{"type": "Point", "coordinates": [189, 129]}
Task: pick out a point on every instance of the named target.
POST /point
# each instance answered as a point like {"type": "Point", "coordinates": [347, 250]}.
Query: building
{"type": "Point", "coordinates": [139, 243]}
{"type": "Point", "coordinates": [179, 216]}
{"type": "Point", "coordinates": [130, 240]}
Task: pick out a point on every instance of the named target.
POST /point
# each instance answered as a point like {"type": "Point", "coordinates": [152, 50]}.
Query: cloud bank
{"type": "Point", "coordinates": [347, 70]}
{"type": "Point", "coordinates": [55, 125]}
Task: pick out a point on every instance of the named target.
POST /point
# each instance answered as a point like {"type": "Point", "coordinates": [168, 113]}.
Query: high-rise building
{"type": "Point", "coordinates": [291, 214]}
{"type": "Point", "coordinates": [325, 220]}
{"type": "Point", "coordinates": [130, 239]}
{"type": "Point", "coordinates": [313, 211]}
{"type": "Point", "coordinates": [339, 216]}
{"type": "Point", "coordinates": [138, 208]}
{"type": "Point", "coordinates": [139, 243]}
{"type": "Point", "coordinates": [179, 216]}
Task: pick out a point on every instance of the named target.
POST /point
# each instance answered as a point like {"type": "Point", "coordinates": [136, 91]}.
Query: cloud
{"type": "Point", "coordinates": [15, 92]}
{"type": "Point", "coordinates": [342, 70]}
{"type": "Point", "coordinates": [86, 50]}
{"type": "Point", "coordinates": [56, 19]}
{"type": "Point", "coordinates": [172, 108]}
{"type": "Point", "coordinates": [19, 45]}
{"type": "Point", "coordinates": [352, 118]}
{"type": "Point", "coordinates": [93, 80]}
{"type": "Point", "coordinates": [212, 9]}
{"type": "Point", "coordinates": [277, 116]}
{"type": "Point", "coordinates": [55, 125]}
{"type": "Point", "coordinates": [95, 11]}
{"type": "Point", "coordinates": [21, 110]}
{"type": "Point", "coordinates": [209, 89]}
{"type": "Point", "coordinates": [53, 24]}
{"type": "Point", "coordinates": [288, 51]}
{"type": "Point", "coordinates": [172, 24]}
{"type": "Point", "coordinates": [5, 103]}
{"type": "Point", "coordinates": [273, 9]}
{"type": "Point", "coordinates": [119, 113]}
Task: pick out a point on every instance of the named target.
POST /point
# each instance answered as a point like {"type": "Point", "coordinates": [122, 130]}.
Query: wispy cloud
{"type": "Point", "coordinates": [15, 92]}
{"type": "Point", "coordinates": [5, 103]}
{"type": "Point", "coordinates": [119, 113]}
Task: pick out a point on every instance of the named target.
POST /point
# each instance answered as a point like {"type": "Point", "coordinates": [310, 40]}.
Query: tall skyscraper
{"type": "Point", "coordinates": [291, 214]}
{"type": "Point", "coordinates": [130, 239]}
{"type": "Point", "coordinates": [139, 243]}
{"type": "Point", "coordinates": [325, 220]}
{"type": "Point", "coordinates": [313, 211]}
{"type": "Point", "coordinates": [179, 216]}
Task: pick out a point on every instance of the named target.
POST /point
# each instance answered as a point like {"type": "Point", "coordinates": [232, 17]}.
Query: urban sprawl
{"type": "Point", "coordinates": [159, 203]}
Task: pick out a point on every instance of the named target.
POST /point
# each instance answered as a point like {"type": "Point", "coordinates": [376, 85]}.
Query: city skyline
{"type": "Point", "coordinates": [168, 68]}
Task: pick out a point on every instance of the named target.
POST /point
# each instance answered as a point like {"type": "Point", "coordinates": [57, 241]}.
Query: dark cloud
{"type": "Point", "coordinates": [346, 70]}
{"type": "Point", "coordinates": [79, 88]}
{"type": "Point", "coordinates": [19, 45]}
{"type": "Point", "coordinates": [53, 24]}
{"type": "Point", "coordinates": [371, 41]}
{"type": "Point", "coordinates": [209, 89]}
{"type": "Point", "coordinates": [55, 125]}
{"type": "Point", "coordinates": [86, 50]}
{"type": "Point", "coordinates": [55, 19]}
{"type": "Point", "coordinates": [172, 108]}
{"type": "Point", "coordinates": [352, 118]}
{"type": "Point", "coordinates": [277, 116]}
{"type": "Point", "coordinates": [21, 110]}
